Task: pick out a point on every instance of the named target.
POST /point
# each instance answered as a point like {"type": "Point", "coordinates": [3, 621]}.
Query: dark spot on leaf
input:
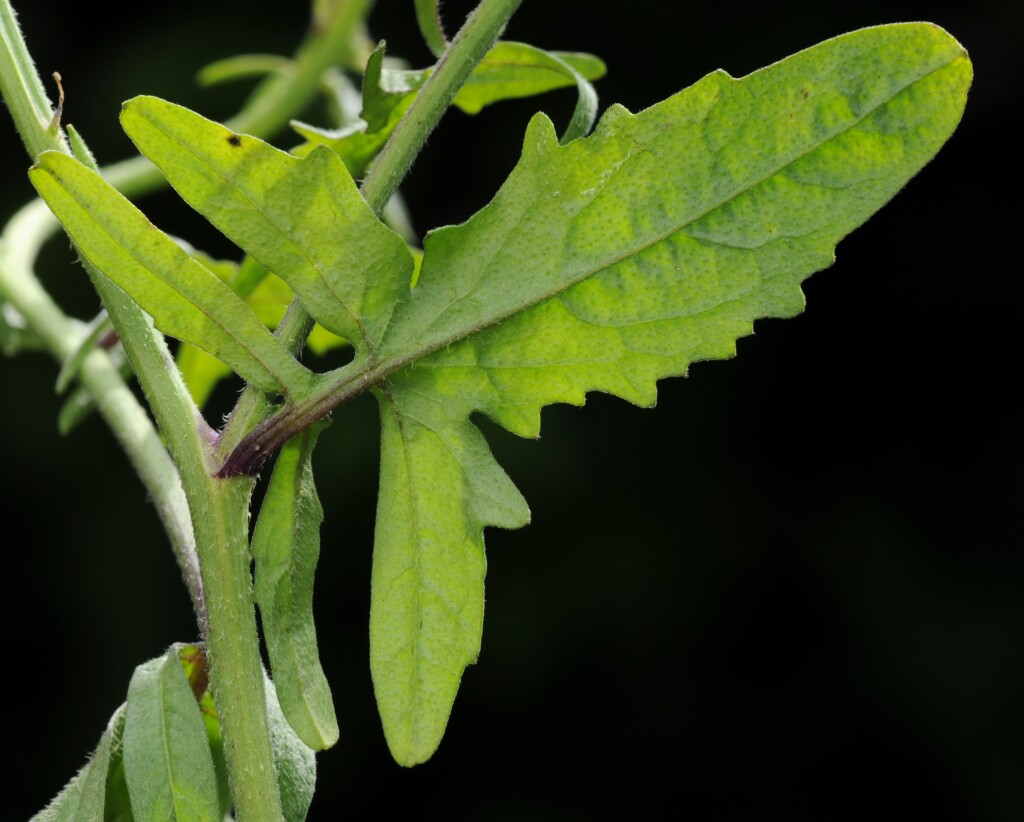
{"type": "Point", "coordinates": [804, 93]}
{"type": "Point", "coordinates": [235, 140]}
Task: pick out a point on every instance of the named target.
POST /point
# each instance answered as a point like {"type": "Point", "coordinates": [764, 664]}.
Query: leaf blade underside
{"type": "Point", "coordinates": [285, 549]}
{"type": "Point", "coordinates": [608, 264]}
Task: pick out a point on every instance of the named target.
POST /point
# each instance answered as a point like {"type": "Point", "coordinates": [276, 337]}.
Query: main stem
{"type": "Point", "coordinates": [219, 508]}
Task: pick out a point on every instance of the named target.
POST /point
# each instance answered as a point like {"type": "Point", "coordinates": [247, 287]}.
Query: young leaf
{"type": "Point", "coordinates": [242, 67]}
{"type": "Point", "coordinates": [167, 760]}
{"type": "Point", "coordinates": [91, 335]}
{"type": "Point", "coordinates": [85, 797]}
{"type": "Point", "coordinates": [184, 298]}
{"type": "Point", "coordinates": [428, 16]}
{"type": "Point", "coordinates": [608, 264]}
{"type": "Point", "coordinates": [285, 548]}
{"type": "Point", "coordinates": [303, 219]}
{"type": "Point", "coordinates": [510, 70]}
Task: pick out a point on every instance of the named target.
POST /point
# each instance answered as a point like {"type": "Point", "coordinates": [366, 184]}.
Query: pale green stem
{"type": "Point", "coordinates": [473, 41]}
{"type": "Point", "coordinates": [220, 507]}
{"type": "Point", "coordinates": [128, 420]}
{"type": "Point", "coordinates": [31, 107]}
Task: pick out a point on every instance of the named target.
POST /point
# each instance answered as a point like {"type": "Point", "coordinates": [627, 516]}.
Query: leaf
{"type": "Point", "coordinates": [91, 335]}
{"type": "Point", "coordinates": [15, 336]}
{"type": "Point", "coordinates": [167, 761]}
{"type": "Point", "coordinates": [608, 264]}
{"type": "Point", "coordinates": [185, 299]}
{"type": "Point", "coordinates": [303, 219]}
{"type": "Point", "coordinates": [285, 548]}
{"type": "Point", "coordinates": [384, 93]}
{"type": "Point", "coordinates": [428, 16]}
{"type": "Point", "coordinates": [513, 70]}
{"type": "Point", "coordinates": [510, 70]}
{"type": "Point", "coordinates": [80, 404]}
{"type": "Point", "coordinates": [242, 67]}
{"type": "Point", "coordinates": [294, 761]}
{"type": "Point", "coordinates": [118, 802]}
{"type": "Point", "coordinates": [85, 797]}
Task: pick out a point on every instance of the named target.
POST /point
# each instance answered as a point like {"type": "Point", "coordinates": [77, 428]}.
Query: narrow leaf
{"type": "Point", "coordinates": [513, 70]}
{"type": "Point", "coordinates": [81, 149]}
{"type": "Point", "coordinates": [85, 797]}
{"type": "Point", "coordinates": [185, 299]}
{"type": "Point", "coordinates": [607, 264]}
{"type": "Point", "coordinates": [15, 335]}
{"type": "Point", "coordinates": [242, 67]}
{"type": "Point", "coordinates": [80, 405]}
{"type": "Point", "coordinates": [428, 16]}
{"type": "Point", "coordinates": [381, 100]}
{"type": "Point", "coordinates": [167, 760]}
{"type": "Point", "coordinates": [303, 219]}
{"type": "Point", "coordinates": [294, 761]}
{"type": "Point", "coordinates": [96, 329]}
{"type": "Point", "coordinates": [510, 70]}
{"type": "Point", "coordinates": [285, 548]}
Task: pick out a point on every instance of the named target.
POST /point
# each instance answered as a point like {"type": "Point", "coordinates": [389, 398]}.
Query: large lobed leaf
{"type": "Point", "coordinates": [608, 264]}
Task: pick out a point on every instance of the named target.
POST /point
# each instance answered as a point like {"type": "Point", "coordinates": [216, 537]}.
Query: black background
{"type": "Point", "coordinates": [791, 591]}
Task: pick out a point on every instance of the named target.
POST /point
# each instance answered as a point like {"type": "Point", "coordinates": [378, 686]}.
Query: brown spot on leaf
{"type": "Point", "coordinates": [235, 140]}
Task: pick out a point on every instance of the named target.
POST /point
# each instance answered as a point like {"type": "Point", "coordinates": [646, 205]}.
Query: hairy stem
{"type": "Point", "coordinates": [114, 399]}
{"type": "Point", "coordinates": [29, 104]}
{"type": "Point", "coordinates": [473, 41]}
{"type": "Point", "coordinates": [218, 533]}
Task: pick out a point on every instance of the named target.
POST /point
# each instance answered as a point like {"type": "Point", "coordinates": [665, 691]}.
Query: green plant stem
{"type": "Point", "coordinates": [132, 428]}
{"type": "Point", "coordinates": [219, 528]}
{"type": "Point", "coordinates": [30, 107]}
{"type": "Point", "coordinates": [479, 33]}
{"type": "Point", "coordinates": [481, 29]}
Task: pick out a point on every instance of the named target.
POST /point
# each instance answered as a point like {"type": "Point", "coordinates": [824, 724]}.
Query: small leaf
{"type": "Point", "coordinates": [510, 70]}
{"type": "Point", "coordinates": [99, 326]}
{"type": "Point", "coordinates": [380, 99]}
{"type": "Point", "coordinates": [513, 70]}
{"type": "Point", "coordinates": [303, 219]}
{"type": "Point", "coordinates": [285, 548]}
{"type": "Point", "coordinates": [80, 405]}
{"type": "Point", "coordinates": [85, 797]}
{"type": "Point", "coordinates": [118, 803]}
{"type": "Point", "coordinates": [294, 761]}
{"type": "Point", "coordinates": [81, 149]}
{"type": "Point", "coordinates": [242, 67]}
{"type": "Point", "coordinates": [168, 765]}
{"type": "Point", "coordinates": [428, 16]}
{"type": "Point", "coordinates": [185, 299]}
{"type": "Point", "coordinates": [15, 336]}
